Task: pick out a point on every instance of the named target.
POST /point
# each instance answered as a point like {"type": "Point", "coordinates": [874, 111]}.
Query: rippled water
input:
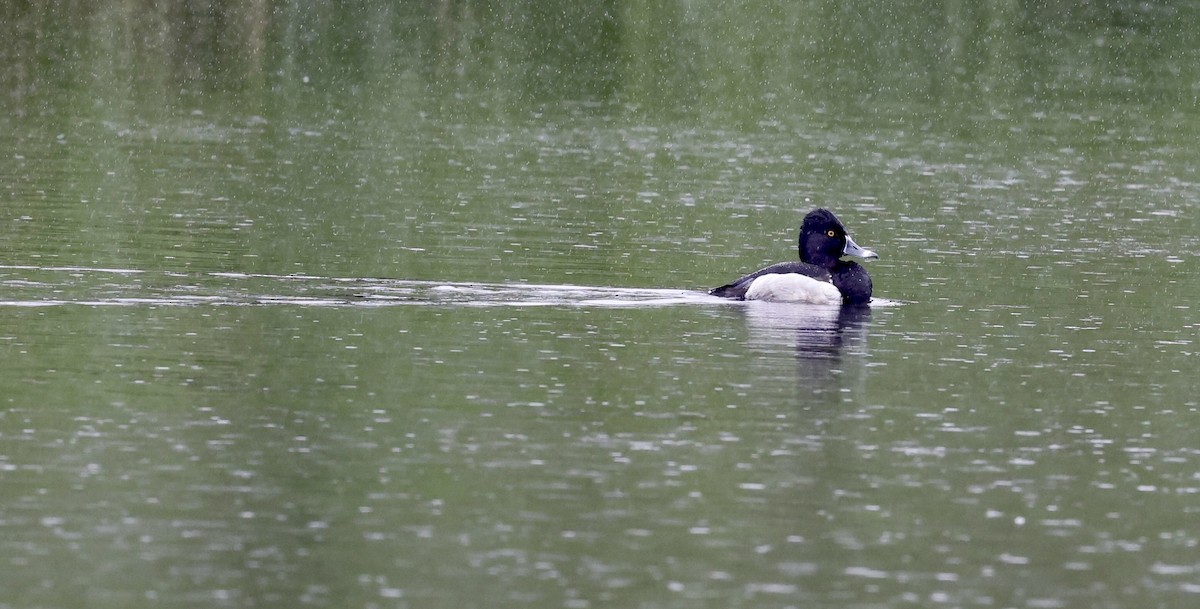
{"type": "Point", "coordinates": [227, 438]}
{"type": "Point", "coordinates": [340, 351]}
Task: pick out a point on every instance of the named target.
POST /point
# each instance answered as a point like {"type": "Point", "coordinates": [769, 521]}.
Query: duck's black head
{"type": "Point", "coordinates": [823, 240]}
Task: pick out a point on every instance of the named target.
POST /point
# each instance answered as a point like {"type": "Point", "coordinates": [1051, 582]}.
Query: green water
{"type": "Point", "coordinates": [402, 306]}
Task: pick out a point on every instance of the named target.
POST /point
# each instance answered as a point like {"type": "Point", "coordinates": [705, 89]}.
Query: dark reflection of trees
{"type": "Point", "coordinates": [211, 40]}
{"type": "Point", "coordinates": [772, 58]}
{"type": "Point", "coordinates": [549, 49]}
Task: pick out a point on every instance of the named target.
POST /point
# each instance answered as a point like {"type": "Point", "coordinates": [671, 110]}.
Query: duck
{"type": "Point", "coordinates": [819, 277]}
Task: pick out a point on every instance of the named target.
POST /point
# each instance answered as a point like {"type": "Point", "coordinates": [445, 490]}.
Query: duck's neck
{"type": "Point", "coordinates": [852, 281]}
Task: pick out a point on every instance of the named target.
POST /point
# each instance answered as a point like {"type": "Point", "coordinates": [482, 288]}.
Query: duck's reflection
{"type": "Point", "coordinates": [816, 332]}
{"type": "Point", "coordinates": [828, 344]}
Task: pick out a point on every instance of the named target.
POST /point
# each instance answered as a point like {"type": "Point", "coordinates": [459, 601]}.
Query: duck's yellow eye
{"type": "Point", "coordinates": [831, 233]}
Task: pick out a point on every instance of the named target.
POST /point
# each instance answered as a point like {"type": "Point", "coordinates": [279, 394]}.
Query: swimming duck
{"type": "Point", "coordinates": [820, 277]}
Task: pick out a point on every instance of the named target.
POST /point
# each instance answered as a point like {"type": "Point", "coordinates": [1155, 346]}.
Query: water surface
{"type": "Point", "coordinates": [420, 322]}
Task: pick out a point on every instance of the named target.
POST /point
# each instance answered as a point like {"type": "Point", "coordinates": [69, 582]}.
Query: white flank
{"type": "Point", "coordinates": [793, 287]}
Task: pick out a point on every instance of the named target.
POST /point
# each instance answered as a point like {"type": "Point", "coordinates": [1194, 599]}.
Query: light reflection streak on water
{"type": "Point", "coordinates": [298, 290]}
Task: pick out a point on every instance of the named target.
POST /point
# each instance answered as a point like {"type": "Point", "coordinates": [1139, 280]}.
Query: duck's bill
{"type": "Point", "coordinates": [853, 249]}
